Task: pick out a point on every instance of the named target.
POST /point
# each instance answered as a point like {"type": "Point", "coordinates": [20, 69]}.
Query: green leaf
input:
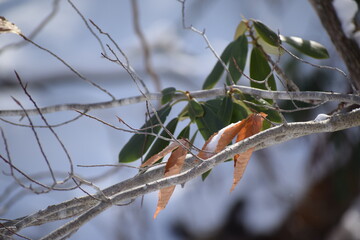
{"type": "Point", "coordinates": [226, 110]}
{"type": "Point", "coordinates": [140, 143]}
{"type": "Point", "coordinates": [239, 54]}
{"type": "Point", "coordinates": [209, 123]}
{"type": "Point", "coordinates": [218, 69]}
{"type": "Point", "coordinates": [205, 175]}
{"type": "Point", "coordinates": [273, 115]}
{"type": "Point", "coordinates": [192, 140]}
{"type": "Point", "coordinates": [260, 70]}
{"type": "Point", "coordinates": [184, 114]}
{"type": "Point", "coordinates": [240, 111]}
{"type": "Point", "coordinates": [214, 104]}
{"type": "Point", "coordinates": [266, 33]}
{"type": "Point", "coordinates": [167, 95]}
{"type": "Point", "coordinates": [308, 47]}
{"type": "Point", "coordinates": [195, 109]}
{"type": "Point", "coordinates": [185, 133]}
{"type": "Point", "coordinates": [160, 143]}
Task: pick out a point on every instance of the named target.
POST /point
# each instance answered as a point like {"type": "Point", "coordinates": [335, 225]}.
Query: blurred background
{"type": "Point", "coordinates": [307, 188]}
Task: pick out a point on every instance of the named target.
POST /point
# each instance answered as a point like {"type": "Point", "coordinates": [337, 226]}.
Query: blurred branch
{"type": "Point", "coordinates": [347, 48]}
{"type": "Point", "coordinates": [152, 180]}
{"type": "Point", "coordinates": [144, 45]}
{"type": "Point", "coordinates": [276, 95]}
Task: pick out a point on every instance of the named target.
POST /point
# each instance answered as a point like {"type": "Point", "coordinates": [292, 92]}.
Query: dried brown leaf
{"type": "Point", "coordinates": [218, 141]}
{"type": "Point", "coordinates": [161, 154]}
{"type": "Point", "coordinates": [252, 125]}
{"type": "Point", "coordinates": [173, 167]}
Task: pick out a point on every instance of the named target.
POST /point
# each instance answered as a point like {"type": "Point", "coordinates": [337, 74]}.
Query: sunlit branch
{"type": "Point", "coordinates": [276, 95]}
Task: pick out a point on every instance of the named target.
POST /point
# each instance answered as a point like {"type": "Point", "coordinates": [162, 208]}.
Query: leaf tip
{"type": "Point", "coordinates": [158, 209]}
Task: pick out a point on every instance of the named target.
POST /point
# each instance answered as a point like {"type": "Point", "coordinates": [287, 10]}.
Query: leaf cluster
{"type": "Point", "coordinates": [252, 46]}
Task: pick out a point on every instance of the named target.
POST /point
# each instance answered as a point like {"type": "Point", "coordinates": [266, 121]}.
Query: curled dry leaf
{"type": "Point", "coordinates": [8, 27]}
{"type": "Point", "coordinates": [161, 154]}
{"type": "Point", "coordinates": [252, 125]}
{"type": "Point", "coordinates": [173, 167]}
{"type": "Point", "coordinates": [218, 141]}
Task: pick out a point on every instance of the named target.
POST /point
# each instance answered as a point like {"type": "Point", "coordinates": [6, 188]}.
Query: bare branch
{"type": "Point", "coordinates": [51, 130]}
{"type": "Point", "coordinates": [202, 33]}
{"type": "Point", "coordinates": [43, 126]}
{"type": "Point", "coordinates": [87, 25]}
{"type": "Point", "coordinates": [153, 181]}
{"type": "Point", "coordinates": [68, 66]}
{"type": "Point", "coordinates": [276, 95]}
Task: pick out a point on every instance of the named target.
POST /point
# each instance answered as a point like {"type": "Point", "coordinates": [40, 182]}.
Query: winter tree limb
{"type": "Point", "coordinates": [276, 95]}
{"type": "Point", "coordinates": [152, 181]}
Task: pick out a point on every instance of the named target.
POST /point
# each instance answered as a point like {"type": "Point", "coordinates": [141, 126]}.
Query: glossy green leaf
{"type": "Point", "coordinates": [209, 123]}
{"type": "Point", "coordinates": [167, 95]}
{"type": "Point", "coordinates": [218, 69]}
{"type": "Point", "coordinates": [195, 109]}
{"type": "Point", "coordinates": [308, 47]}
{"type": "Point", "coordinates": [160, 143]}
{"type": "Point", "coordinates": [266, 33]}
{"type": "Point", "coordinates": [260, 70]}
{"type": "Point", "coordinates": [239, 54]}
{"type": "Point", "coordinates": [226, 110]}
{"type": "Point", "coordinates": [140, 143]}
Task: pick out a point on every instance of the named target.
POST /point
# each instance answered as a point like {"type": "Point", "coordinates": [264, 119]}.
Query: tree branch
{"type": "Point", "coordinates": [152, 180]}
{"type": "Point", "coordinates": [347, 48]}
{"type": "Point", "coordinates": [276, 95]}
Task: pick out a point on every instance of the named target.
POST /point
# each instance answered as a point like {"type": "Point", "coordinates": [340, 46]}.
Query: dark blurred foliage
{"type": "Point", "coordinates": [333, 167]}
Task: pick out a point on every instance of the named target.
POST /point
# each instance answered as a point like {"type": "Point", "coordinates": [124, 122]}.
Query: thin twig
{"type": "Point", "coordinates": [107, 165]}
{"type": "Point", "coordinates": [39, 145]}
{"type": "Point", "coordinates": [68, 66]}
{"type": "Point", "coordinates": [10, 229]}
{"type": "Point", "coordinates": [132, 130]}
{"type": "Point", "coordinates": [23, 174]}
{"type": "Point", "coordinates": [322, 67]}
{"type": "Point", "coordinates": [88, 183]}
{"type": "Point", "coordinates": [202, 33]}
{"type": "Point", "coordinates": [43, 126]}
{"type": "Point", "coordinates": [51, 130]}
{"type": "Point", "coordinates": [88, 26]}
{"type": "Point", "coordinates": [113, 42]}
